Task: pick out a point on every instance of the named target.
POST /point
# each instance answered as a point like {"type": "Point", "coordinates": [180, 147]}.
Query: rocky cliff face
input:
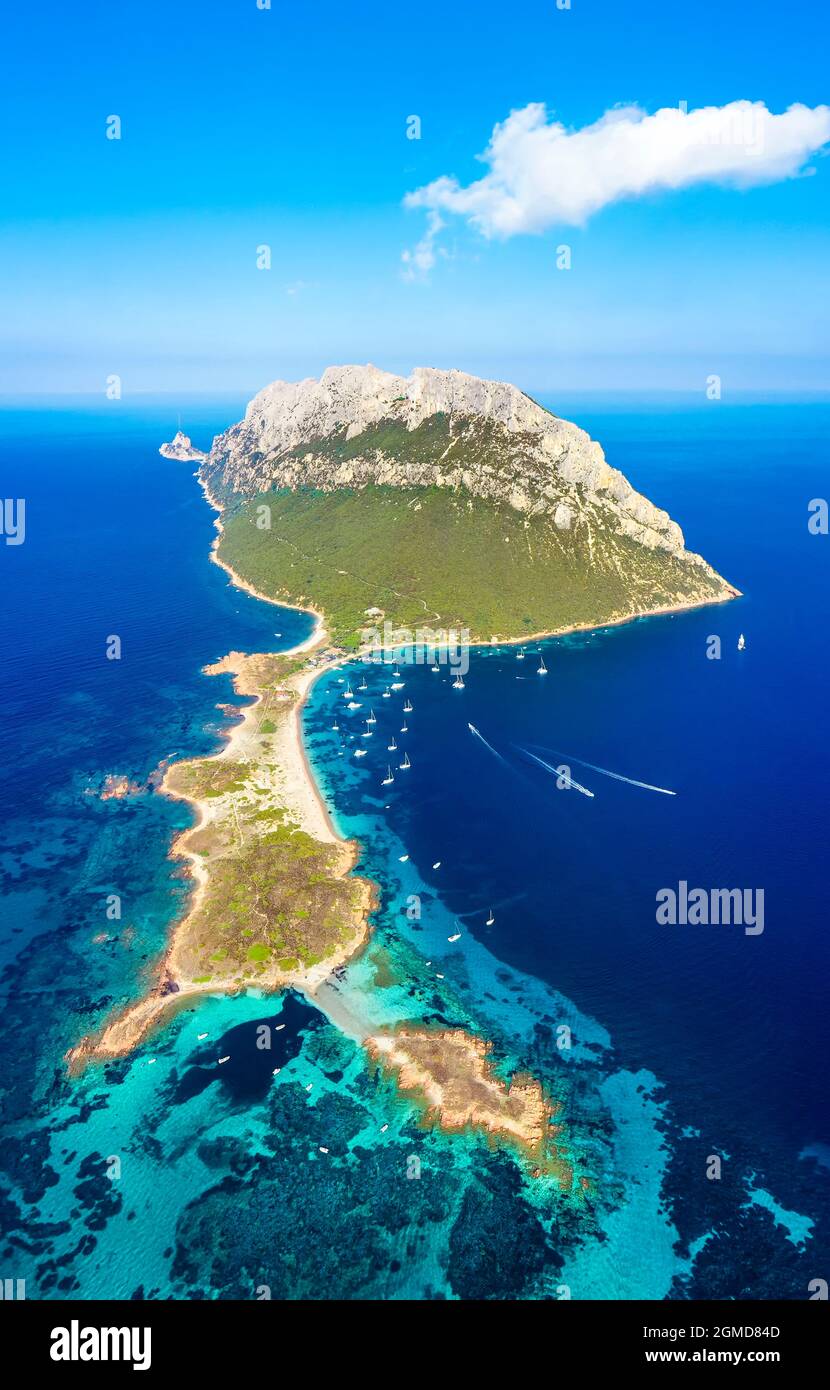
{"type": "Point", "coordinates": [360, 425]}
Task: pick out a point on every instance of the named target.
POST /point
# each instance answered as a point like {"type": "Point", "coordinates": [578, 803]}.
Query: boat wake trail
{"type": "Point", "coordinates": [557, 772]}
{"type": "Point", "coordinates": [474, 730]}
{"type": "Point", "coordinates": [617, 776]}
{"type": "Point", "coordinates": [494, 907]}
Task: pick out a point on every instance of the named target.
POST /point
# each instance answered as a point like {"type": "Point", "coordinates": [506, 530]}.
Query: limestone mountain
{"type": "Point", "coordinates": [441, 498]}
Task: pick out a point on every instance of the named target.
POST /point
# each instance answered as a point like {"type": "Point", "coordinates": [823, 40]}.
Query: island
{"type": "Point", "coordinates": [182, 449]}
{"type": "Point", "coordinates": [449, 1074]}
{"type": "Point", "coordinates": [436, 501]}
{"type": "Point", "coordinates": [443, 501]}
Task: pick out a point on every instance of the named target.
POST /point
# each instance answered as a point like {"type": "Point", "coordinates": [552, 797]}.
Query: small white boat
{"type": "Point", "coordinates": [383, 1129]}
{"type": "Point", "coordinates": [322, 1148]}
{"type": "Point", "coordinates": [388, 779]}
{"type": "Point", "coordinates": [276, 1071]}
{"type": "Point", "coordinates": [372, 717]}
{"type": "Point", "coordinates": [309, 1086]}
{"type": "Point", "coordinates": [437, 864]}
{"type": "Point", "coordinates": [405, 764]}
{"type": "Point", "coordinates": [392, 747]}
{"type": "Point", "coordinates": [435, 670]}
{"type": "Point", "coordinates": [353, 704]}
{"type": "Point", "coordinates": [386, 695]}
{"type": "Point", "coordinates": [458, 683]}
{"type": "Point", "coordinates": [407, 706]}
{"type": "Point", "coordinates": [438, 977]}
{"type": "Point", "coordinates": [199, 1036]}
{"type": "Point", "coordinates": [403, 858]}
{"type": "Point", "coordinates": [490, 920]}
{"type": "Point", "coordinates": [541, 669]}
{"type": "Point", "coordinates": [456, 936]}
{"type": "Point", "coordinates": [278, 1027]}
{"type": "Point", "coordinates": [222, 1060]}
{"type": "Point", "coordinates": [397, 685]}
{"type": "Point", "coordinates": [151, 1061]}
{"type": "Point", "coordinates": [741, 642]}
{"type": "Point", "coordinates": [396, 673]}
{"type": "Point", "coordinates": [360, 752]}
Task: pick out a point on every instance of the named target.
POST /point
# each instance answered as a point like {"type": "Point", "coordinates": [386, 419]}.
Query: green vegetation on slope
{"type": "Point", "coordinates": [433, 557]}
{"type": "Point", "coordinates": [274, 897]}
{"type": "Point", "coordinates": [427, 443]}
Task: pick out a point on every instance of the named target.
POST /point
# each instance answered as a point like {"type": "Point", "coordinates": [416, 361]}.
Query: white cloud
{"type": "Point", "coordinates": [542, 175]}
{"type": "Point", "coordinates": [420, 260]}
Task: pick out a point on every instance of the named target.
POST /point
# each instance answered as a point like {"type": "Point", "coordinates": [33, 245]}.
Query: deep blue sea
{"type": "Point", "coordinates": [693, 1091]}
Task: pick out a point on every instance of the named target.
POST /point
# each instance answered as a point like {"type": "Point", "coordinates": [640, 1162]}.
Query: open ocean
{"type": "Point", "coordinates": [688, 1043]}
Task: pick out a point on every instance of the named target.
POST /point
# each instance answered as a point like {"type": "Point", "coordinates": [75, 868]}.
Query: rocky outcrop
{"type": "Point", "coordinates": [181, 448]}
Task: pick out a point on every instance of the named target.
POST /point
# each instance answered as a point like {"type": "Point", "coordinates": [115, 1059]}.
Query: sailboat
{"type": "Point", "coordinates": [393, 745]}
{"type": "Point", "coordinates": [407, 707]}
{"type": "Point", "coordinates": [456, 936]}
{"type": "Point", "coordinates": [335, 726]}
{"type": "Point", "coordinates": [490, 920]}
{"type": "Point", "coordinates": [741, 642]}
{"type": "Point", "coordinates": [520, 656]}
{"type": "Point", "coordinates": [348, 693]}
{"type": "Point", "coordinates": [386, 695]}
{"type": "Point", "coordinates": [458, 683]}
{"type": "Point", "coordinates": [404, 727]}
{"type": "Point", "coordinates": [388, 779]}
{"type": "Point", "coordinates": [406, 763]}
{"type": "Point", "coordinates": [541, 669]}
{"type": "Point", "coordinates": [363, 685]}
{"type": "Point", "coordinates": [371, 719]}
{"type": "Point", "coordinates": [396, 673]}
{"type": "Point", "coordinates": [368, 733]}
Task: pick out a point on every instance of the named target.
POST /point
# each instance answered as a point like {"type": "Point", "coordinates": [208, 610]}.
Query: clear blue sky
{"type": "Point", "coordinates": [288, 127]}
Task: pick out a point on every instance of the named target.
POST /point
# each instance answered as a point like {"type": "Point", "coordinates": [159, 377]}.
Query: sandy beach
{"type": "Point", "coordinates": [291, 785]}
